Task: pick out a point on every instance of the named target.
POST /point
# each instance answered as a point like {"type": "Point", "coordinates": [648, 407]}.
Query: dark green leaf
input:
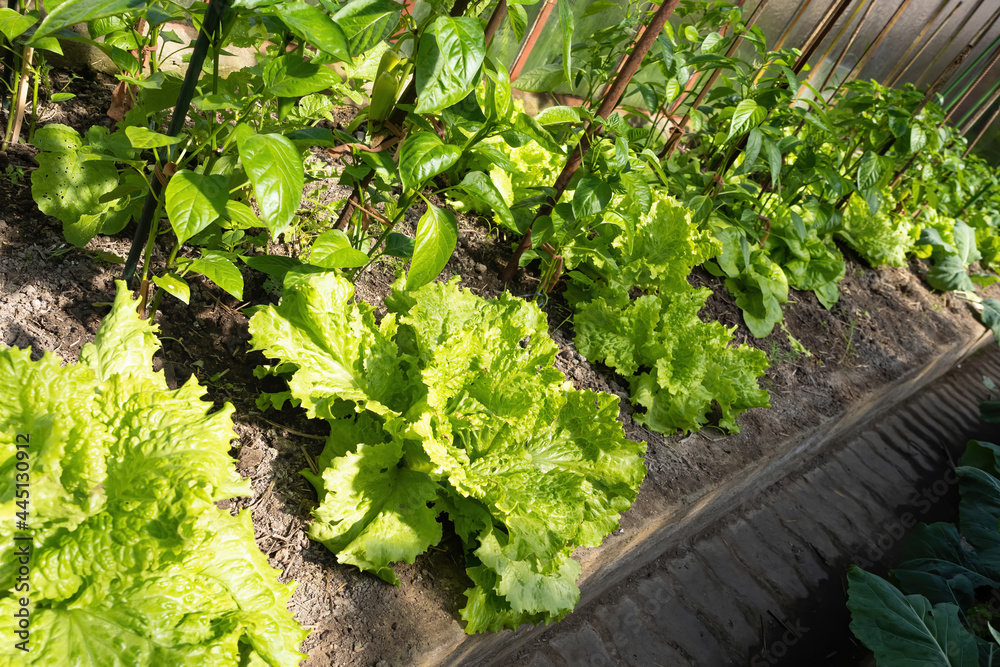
{"type": "Point", "coordinates": [480, 186]}
{"type": "Point", "coordinates": [367, 22]}
{"type": "Point", "coordinates": [422, 156]}
{"type": "Point", "coordinates": [272, 265]}
{"type": "Point", "coordinates": [907, 630]}
{"type": "Point", "coordinates": [276, 172]}
{"type": "Point", "coordinates": [599, 6]}
{"type": "Point", "coordinates": [592, 195]}
{"type": "Point", "coordinates": [399, 245]}
{"type": "Point", "coordinates": [448, 60]}
{"type": "Point", "coordinates": [990, 316]}
{"type": "Point", "coordinates": [755, 140]}
{"type": "Point", "coordinates": [292, 75]}
{"type": "Point", "coordinates": [773, 160]}
{"type": "Point", "coordinates": [194, 201]}
{"type": "Point", "coordinates": [315, 26]}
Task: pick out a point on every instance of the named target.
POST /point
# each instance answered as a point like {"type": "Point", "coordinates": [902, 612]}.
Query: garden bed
{"type": "Point", "coordinates": [887, 326]}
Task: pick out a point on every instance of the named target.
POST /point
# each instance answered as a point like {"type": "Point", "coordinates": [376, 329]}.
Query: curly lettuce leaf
{"type": "Point", "coordinates": [486, 430]}
{"type": "Point", "coordinates": [132, 561]}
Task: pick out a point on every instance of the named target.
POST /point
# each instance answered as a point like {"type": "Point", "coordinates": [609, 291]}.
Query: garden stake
{"type": "Point", "coordinates": [967, 91]}
{"type": "Point", "coordinates": [982, 132]}
{"type": "Point", "coordinates": [871, 48]}
{"type": "Point", "coordinates": [979, 104]}
{"type": "Point", "coordinates": [211, 26]}
{"type": "Point", "coordinates": [926, 45]}
{"type": "Point", "coordinates": [819, 33]}
{"type": "Point", "coordinates": [944, 49]}
{"type": "Point", "coordinates": [536, 30]}
{"type": "Point", "coordinates": [834, 42]}
{"type": "Point", "coordinates": [608, 104]}
{"type": "Point", "coordinates": [895, 73]}
{"type": "Point", "coordinates": [981, 109]}
{"type": "Point", "coordinates": [398, 116]}
{"type": "Point", "coordinates": [847, 48]}
{"type": "Point", "coordinates": [677, 133]}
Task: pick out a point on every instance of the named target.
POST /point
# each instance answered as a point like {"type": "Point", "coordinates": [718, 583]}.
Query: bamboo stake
{"type": "Point", "coordinates": [820, 32]}
{"type": "Point", "coordinates": [982, 132]}
{"type": "Point", "coordinates": [847, 48]}
{"type": "Point", "coordinates": [944, 50]}
{"type": "Point", "coordinates": [871, 48]}
{"type": "Point", "coordinates": [536, 30]}
{"type": "Point", "coordinates": [17, 105]}
{"type": "Point", "coordinates": [495, 20]}
{"type": "Point", "coordinates": [920, 37]}
{"type": "Point", "coordinates": [953, 108]}
{"type": "Point", "coordinates": [983, 107]}
{"type": "Point", "coordinates": [834, 42]}
{"type": "Point", "coordinates": [678, 132]}
{"type": "Point", "coordinates": [792, 22]}
{"type": "Point", "coordinates": [978, 104]}
{"type": "Point", "coordinates": [923, 48]}
{"type": "Point", "coordinates": [608, 104]}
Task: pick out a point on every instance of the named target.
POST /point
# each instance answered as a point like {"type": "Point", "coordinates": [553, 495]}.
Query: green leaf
{"type": "Point", "coordinates": [423, 156]}
{"type": "Point", "coordinates": [68, 188]}
{"type": "Point", "coordinates": [72, 12]}
{"type": "Point", "coordinates": [291, 75]}
{"type": "Point", "coordinates": [13, 23]}
{"type": "Point", "coordinates": [399, 245]}
{"type": "Point", "coordinates": [277, 174]}
{"type": "Point", "coordinates": [241, 216]}
{"type": "Point", "coordinates": [599, 6]}
{"type": "Point", "coordinates": [567, 25]}
{"type": "Point", "coordinates": [558, 114]}
{"type": "Point", "coordinates": [367, 22]}
{"type": "Point", "coordinates": [773, 161]}
{"type": "Point", "coordinates": [143, 138]}
{"type": "Point", "coordinates": [540, 79]}
{"type": "Point", "coordinates": [906, 630]}
{"type": "Point", "coordinates": [591, 197]}
{"type": "Point", "coordinates": [332, 250]}
{"type": "Point", "coordinates": [126, 476]}
{"type": "Point", "coordinates": [437, 235]}
{"type": "Point", "coordinates": [869, 171]}
{"type": "Point", "coordinates": [518, 20]}
{"type": "Point", "coordinates": [748, 114]}
{"type": "Point", "coordinates": [316, 27]}
{"type": "Point", "coordinates": [275, 266]}
{"type": "Point", "coordinates": [174, 285]}
{"type": "Point", "coordinates": [57, 138]}
{"type": "Point", "coordinates": [219, 267]}
{"type": "Point", "coordinates": [449, 58]}
{"type": "Point", "coordinates": [194, 201]}
{"type": "Point", "coordinates": [373, 511]}
{"type": "Point", "coordinates": [754, 142]}
{"type": "Point", "coordinates": [481, 186]}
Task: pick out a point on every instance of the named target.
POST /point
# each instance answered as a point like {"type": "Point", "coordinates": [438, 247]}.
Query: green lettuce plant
{"type": "Point", "coordinates": [451, 405]}
{"type": "Point", "coordinates": [131, 561]}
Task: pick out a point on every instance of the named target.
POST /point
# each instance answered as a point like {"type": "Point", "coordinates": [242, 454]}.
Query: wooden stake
{"type": "Point", "coordinates": [608, 105]}
{"type": "Point", "coordinates": [923, 48]}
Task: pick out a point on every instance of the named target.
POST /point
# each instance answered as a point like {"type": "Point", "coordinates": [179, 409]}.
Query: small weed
{"type": "Point", "coordinates": [14, 174]}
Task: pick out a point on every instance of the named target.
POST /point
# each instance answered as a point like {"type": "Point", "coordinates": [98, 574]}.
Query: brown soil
{"type": "Point", "coordinates": [52, 297]}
